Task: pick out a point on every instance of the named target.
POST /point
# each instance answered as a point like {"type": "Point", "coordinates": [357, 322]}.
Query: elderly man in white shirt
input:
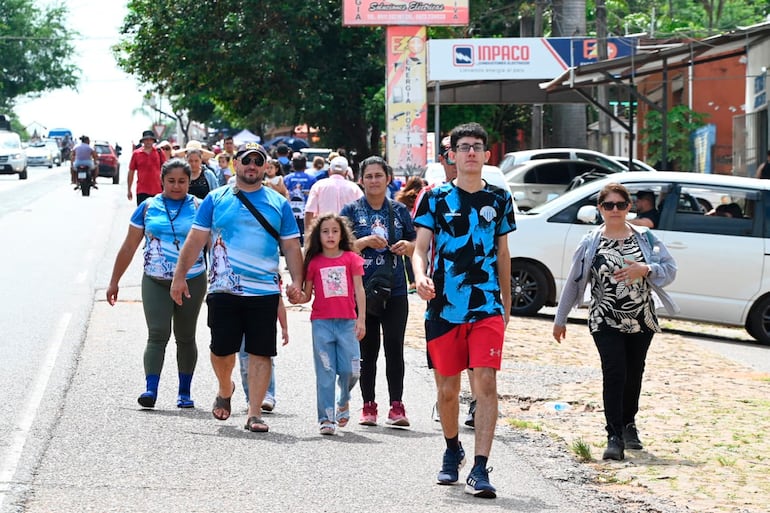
{"type": "Point", "coordinates": [331, 194]}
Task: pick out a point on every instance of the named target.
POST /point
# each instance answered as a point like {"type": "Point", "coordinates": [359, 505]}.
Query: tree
{"type": "Point", "coordinates": [682, 122]}
{"type": "Point", "coordinates": [35, 47]}
{"type": "Point", "coordinates": [290, 58]}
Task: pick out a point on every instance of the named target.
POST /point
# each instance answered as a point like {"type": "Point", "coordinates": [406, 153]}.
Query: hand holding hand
{"type": "Point", "coordinates": [294, 293]}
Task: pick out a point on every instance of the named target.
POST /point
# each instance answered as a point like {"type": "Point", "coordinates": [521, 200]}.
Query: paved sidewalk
{"type": "Point", "coordinates": [106, 454]}
{"type": "Point", "coordinates": [703, 418]}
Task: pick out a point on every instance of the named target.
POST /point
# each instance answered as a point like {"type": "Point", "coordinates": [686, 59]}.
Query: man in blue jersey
{"type": "Point", "coordinates": [243, 276]}
{"type": "Point", "coordinates": [299, 182]}
{"type": "Point", "coordinates": [469, 296]}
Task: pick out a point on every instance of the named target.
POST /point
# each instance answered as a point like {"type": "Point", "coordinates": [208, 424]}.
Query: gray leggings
{"type": "Point", "coordinates": [159, 310]}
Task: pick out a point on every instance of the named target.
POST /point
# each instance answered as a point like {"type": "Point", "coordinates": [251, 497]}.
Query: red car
{"type": "Point", "coordinates": [108, 160]}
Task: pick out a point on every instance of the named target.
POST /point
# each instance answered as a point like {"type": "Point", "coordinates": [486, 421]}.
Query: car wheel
{"type": "Point", "coordinates": [758, 323]}
{"type": "Point", "coordinates": [23, 174]}
{"type": "Point", "coordinates": [529, 288]}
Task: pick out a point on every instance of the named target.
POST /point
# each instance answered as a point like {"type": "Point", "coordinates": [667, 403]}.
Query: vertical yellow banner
{"type": "Point", "coordinates": [406, 99]}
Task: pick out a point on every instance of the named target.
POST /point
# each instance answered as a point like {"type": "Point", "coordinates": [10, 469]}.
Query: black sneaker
{"type": "Point", "coordinates": [614, 450]}
{"type": "Point", "coordinates": [631, 437]}
{"type": "Point", "coordinates": [450, 466]}
{"type": "Point", "coordinates": [470, 420]}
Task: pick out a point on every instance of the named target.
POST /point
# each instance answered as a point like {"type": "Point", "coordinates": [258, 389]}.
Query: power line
{"type": "Point", "coordinates": [57, 38]}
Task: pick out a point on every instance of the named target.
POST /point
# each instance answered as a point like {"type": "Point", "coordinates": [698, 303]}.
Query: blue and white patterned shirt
{"type": "Point", "coordinates": [465, 229]}
{"type": "Point", "coordinates": [244, 256]}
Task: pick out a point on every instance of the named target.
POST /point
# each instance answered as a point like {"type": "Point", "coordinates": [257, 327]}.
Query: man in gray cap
{"type": "Point", "coordinates": [332, 194]}
{"type": "Point", "coordinates": [245, 226]}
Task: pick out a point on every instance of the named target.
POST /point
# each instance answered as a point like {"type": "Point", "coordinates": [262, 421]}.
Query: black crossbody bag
{"type": "Point", "coordinates": [259, 217]}
{"type": "Point", "coordinates": [379, 285]}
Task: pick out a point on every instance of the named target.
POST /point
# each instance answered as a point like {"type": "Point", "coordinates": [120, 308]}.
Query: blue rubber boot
{"type": "Point", "coordinates": [183, 399]}
{"type": "Point", "coordinates": [147, 399]}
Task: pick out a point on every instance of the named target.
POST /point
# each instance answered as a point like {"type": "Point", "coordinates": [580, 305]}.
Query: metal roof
{"type": "Point", "coordinates": [654, 60]}
{"type": "Point", "coordinates": [563, 89]}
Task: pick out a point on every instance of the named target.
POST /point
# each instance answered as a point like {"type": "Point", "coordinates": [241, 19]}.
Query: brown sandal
{"type": "Point", "coordinates": [256, 425]}
{"type": "Point", "coordinates": [222, 403]}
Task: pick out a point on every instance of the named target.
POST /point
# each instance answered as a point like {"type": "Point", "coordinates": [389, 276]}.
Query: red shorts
{"type": "Point", "coordinates": [453, 348]}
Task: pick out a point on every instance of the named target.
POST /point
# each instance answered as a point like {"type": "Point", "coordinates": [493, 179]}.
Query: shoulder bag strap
{"type": "Point", "coordinates": [272, 231]}
{"type": "Point", "coordinates": [391, 232]}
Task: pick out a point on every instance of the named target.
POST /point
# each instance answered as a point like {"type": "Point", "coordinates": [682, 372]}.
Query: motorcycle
{"type": "Point", "coordinates": [83, 174]}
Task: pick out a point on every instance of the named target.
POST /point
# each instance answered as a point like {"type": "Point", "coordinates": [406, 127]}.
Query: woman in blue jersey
{"type": "Point", "coordinates": [371, 218]}
{"type": "Point", "coordinates": [163, 222]}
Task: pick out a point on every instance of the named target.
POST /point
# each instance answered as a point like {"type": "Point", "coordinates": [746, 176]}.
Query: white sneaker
{"type": "Point", "coordinates": [268, 403]}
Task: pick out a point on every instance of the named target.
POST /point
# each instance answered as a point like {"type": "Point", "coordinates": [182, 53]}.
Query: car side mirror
{"type": "Point", "coordinates": [588, 214]}
{"type": "Point", "coordinates": [518, 196]}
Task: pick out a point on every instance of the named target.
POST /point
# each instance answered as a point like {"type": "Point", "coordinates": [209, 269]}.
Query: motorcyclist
{"type": "Point", "coordinates": [84, 155]}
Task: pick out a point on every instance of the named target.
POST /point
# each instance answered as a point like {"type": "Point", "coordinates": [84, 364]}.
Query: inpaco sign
{"type": "Point", "coordinates": [400, 12]}
{"type": "Point", "coordinates": [526, 58]}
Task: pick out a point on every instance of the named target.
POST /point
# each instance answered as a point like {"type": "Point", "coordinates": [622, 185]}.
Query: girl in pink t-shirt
{"type": "Point", "coordinates": [335, 273]}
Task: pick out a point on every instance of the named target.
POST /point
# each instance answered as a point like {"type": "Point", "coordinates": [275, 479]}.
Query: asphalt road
{"type": "Point", "coordinates": [73, 439]}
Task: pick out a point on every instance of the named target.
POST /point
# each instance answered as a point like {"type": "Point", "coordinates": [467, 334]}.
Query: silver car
{"type": "Point", "coordinates": [536, 181]}
{"type": "Point", "coordinates": [43, 153]}
{"type": "Point", "coordinates": [13, 159]}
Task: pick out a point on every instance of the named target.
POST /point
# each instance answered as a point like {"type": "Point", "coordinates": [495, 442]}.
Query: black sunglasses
{"type": "Point", "coordinates": [258, 160]}
{"type": "Point", "coordinates": [609, 205]}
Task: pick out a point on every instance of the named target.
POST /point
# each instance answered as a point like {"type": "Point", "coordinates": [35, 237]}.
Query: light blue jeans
{"type": "Point", "coordinates": [337, 355]}
{"type": "Point", "coordinates": [243, 359]}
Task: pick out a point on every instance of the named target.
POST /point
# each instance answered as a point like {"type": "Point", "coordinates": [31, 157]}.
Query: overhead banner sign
{"type": "Point", "coordinates": [406, 104]}
{"type": "Point", "coordinates": [525, 58]}
{"type": "Point", "coordinates": [400, 12]}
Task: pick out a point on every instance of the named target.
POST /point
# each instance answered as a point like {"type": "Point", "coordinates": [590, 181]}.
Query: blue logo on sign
{"type": "Point", "coordinates": [463, 55]}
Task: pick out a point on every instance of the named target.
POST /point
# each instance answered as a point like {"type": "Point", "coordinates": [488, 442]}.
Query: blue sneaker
{"type": "Point", "coordinates": [478, 483]}
{"type": "Point", "coordinates": [450, 467]}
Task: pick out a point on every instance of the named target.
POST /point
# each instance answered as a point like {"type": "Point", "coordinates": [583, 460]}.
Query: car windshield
{"type": "Point", "coordinates": [102, 149]}
{"type": "Point", "coordinates": [9, 143]}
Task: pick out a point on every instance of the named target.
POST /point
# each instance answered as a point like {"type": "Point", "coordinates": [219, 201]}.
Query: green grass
{"type": "Point", "coordinates": [524, 424]}
{"type": "Point", "coordinates": [581, 449]}
{"type": "Point", "coordinates": [725, 461]}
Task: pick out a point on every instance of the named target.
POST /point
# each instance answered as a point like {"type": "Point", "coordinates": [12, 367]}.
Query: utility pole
{"type": "Point", "coordinates": [605, 126]}
{"type": "Point", "coordinates": [536, 137]}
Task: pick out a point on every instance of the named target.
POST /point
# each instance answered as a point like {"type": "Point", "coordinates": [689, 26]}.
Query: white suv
{"type": "Point", "coordinates": [723, 262]}
{"type": "Point", "coordinates": [515, 158]}
{"type": "Point", "coordinates": [13, 159]}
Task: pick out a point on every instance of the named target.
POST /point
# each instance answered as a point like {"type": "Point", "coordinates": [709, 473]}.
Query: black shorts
{"type": "Point", "coordinates": [233, 319]}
